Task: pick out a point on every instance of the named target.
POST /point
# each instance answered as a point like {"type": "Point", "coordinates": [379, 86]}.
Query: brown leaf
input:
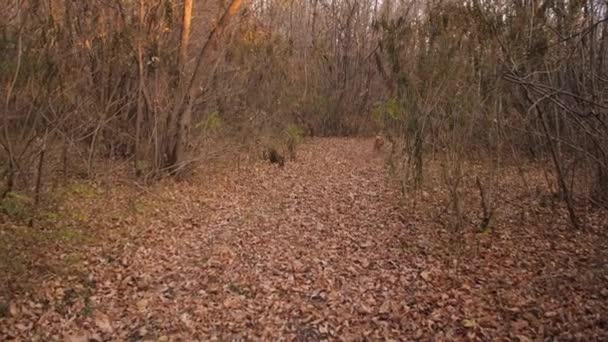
{"type": "Point", "coordinates": [426, 275]}
{"type": "Point", "coordinates": [469, 323]}
{"type": "Point", "coordinates": [550, 314]}
{"type": "Point", "coordinates": [520, 324]}
{"type": "Point", "coordinates": [80, 336]}
{"type": "Point", "coordinates": [185, 318]}
{"type": "Point", "coordinates": [13, 309]}
{"type": "Point", "coordinates": [523, 338]}
{"type": "Point", "coordinates": [142, 304]}
{"type": "Point", "coordinates": [102, 321]}
{"type": "Point", "coordinates": [232, 302]}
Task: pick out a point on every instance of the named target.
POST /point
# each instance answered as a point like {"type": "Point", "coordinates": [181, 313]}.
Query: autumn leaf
{"type": "Point", "coordinates": [102, 321]}
{"type": "Point", "coordinates": [469, 323]}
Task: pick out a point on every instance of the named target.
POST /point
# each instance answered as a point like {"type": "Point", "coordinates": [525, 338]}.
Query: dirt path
{"type": "Point", "coordinates": [316, 250]}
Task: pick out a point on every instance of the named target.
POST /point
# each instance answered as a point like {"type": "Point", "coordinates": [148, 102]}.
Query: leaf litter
{"type": "Point", "coordinates": [320, 249]}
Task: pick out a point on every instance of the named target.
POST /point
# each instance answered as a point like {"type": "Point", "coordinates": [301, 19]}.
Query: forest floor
{"type": "Point", "coordinates": [324, 248]}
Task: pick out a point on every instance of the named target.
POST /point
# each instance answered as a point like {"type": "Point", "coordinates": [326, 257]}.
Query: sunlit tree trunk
{"type": "Point", "coordinates": [182, 112]}
{"type": "Point", "coordinates": [140, 92]}
{"type": "Point", "coordinates": [179, 122]}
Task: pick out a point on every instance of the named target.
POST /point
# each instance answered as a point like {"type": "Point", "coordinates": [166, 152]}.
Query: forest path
{"type": "Point", "coordinates": [307, 251]}
{"type": "Point", "coordinates": [321, 249]}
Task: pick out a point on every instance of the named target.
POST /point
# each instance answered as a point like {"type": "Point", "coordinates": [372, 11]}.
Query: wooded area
{"type": "Point", "coordinates": [143, 81]}
{"type": "Point", "coordinates": [458, 114]}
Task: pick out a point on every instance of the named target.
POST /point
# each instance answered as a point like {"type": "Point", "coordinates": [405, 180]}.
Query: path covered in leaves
{"type": "Point", "coordinates": [319, 249]}
{"type": "Point", "coordinates": [301, 252]}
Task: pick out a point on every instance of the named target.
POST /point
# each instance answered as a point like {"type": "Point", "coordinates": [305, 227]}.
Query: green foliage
{"type": "Point", "coordinates": [294, 133]}
{"type": "Point", "coordinates": [50, 217]}
{"type": "Point", "coordinates": [65, 235]}
{"type": "Point", "coordinates": [137, 206]}
{"type": "Point", "coordinates": [394, 109]}
{"type": "Point", "coordinates": [401, 121]}
{"type": "Point", "coordinates": [7, 63]}
{"type": "Point", "coordinates": [144, 167]}
{"type": "Point", "coordinates": [211, 123]}
{"type": "Point", "coordinates": [378, 114]}
{"type": "Point", "coordinates": [390, 110]}
{"type": "Point", "coordinates": [214, 121]}
{"type": "Point", "coordinates": [16, 205]}
{"type": "Point", "coordinates": [21, 247]}
{"type": "Point", "coordinates": [321, 104]}
{"type": "Point", "coordinates": [295, 136]}
{"type": "Point", "coordinates": [82, 190]}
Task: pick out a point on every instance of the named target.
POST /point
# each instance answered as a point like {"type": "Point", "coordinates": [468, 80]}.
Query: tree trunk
{"type": "Point", "coordinates": [182, 112]}
{"type": "Point", "coordinates": [178, 123]}
{"type": "Point", "coordinates": [185, 39]}
{"type": "Point", "coordinates": [140, 92]}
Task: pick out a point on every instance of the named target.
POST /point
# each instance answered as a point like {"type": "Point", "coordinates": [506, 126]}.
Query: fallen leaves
{"type": "Point", "coordinates": [13, 310]}
{"type": "Point", "coordinates": [550, 314]}
{"type": "Point", "coordinates": [142, 305]}
{"type": "Point", "coordinates": [469, 323]}
{"type": "Point", "coordinates": [232, 302]}
{"type": "Point", "coordinates": [320, 249]}
{"type": "Point", "coordinates": [102, 322]}
{"type": "Point", "coordinates": [426, 275]}
{"type": "Point", "coordinates": [78, 337]}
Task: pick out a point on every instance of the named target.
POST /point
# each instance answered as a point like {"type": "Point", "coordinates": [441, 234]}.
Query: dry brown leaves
{"type": "Point", "coordinates": [319, 250]}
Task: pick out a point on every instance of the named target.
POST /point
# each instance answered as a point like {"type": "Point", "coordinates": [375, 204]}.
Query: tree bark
{"type": "Point", "coordinates": [182, 112]}
{"type": "Point", "coordinates": [177, 120]}
{"type": "Point", "coordinates": [140, 92]}
{"type": "Point", "coordinates": [185, 38]}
